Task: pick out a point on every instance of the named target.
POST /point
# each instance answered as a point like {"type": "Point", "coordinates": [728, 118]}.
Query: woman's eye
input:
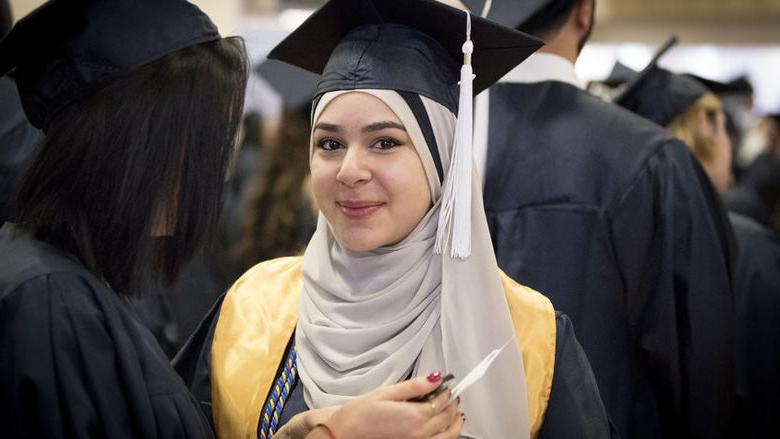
{"type": "Point", "coordinates": [329, 144]}
{"type": "Point", "coordinates": [386, 143]}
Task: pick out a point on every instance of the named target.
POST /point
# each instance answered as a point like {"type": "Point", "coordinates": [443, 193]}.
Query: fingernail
{"type": "Point", "coordinates": [458, 399]}
{"type": "Point", "coordinates": [463, 415]}
{"type": "Point", "coordinates": [435, 376]}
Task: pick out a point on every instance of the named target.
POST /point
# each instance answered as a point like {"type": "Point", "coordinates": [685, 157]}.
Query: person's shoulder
{"type": "Point", "coordinates": [560, 100]}
{"type": "Point", "coordinates": [605, 146]}
{"type": "Point", "coordinates": [279, 268]}
{"type": "Point", "coordinates": [274, 278]}
{"type": "Point", "coordinates": [527, 300]}
{"type": "Point", "coordinates": [30, 264]}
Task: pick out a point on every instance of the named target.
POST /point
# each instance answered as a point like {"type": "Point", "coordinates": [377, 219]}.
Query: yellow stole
{"type": "Point", "coordinates": [258, 317]}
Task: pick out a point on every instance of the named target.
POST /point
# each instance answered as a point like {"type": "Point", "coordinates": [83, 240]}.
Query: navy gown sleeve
{"type": "Point", "coordinates": [575, 409]}
{"type": "Point", "coordinates": [193, 362]}
{"type": "Point", "coordinates": [74, 363]}
{"type": "Point", "coordinates": [758, 328]}
{"type": "Point", "coordinates": [681, 314]}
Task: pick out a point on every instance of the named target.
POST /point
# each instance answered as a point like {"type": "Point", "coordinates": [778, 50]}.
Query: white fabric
{"type": "Point", "coordinates": [373, 318]}
{"type": "Point", "coordinates": [539, 67]}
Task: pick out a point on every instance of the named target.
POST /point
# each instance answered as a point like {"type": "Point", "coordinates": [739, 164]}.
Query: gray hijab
{"type": "Point", "coordinates": [369, 319]}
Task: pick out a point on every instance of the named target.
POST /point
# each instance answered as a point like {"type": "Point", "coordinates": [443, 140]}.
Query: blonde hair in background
{"type": "Point", "coordinates": [686, 128]}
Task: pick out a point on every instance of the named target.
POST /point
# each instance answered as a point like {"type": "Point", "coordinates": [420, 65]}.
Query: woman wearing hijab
{"type": "Point", "coordinates": [393, 284]}
{"type": "Point", "coordinates": [140, 102]}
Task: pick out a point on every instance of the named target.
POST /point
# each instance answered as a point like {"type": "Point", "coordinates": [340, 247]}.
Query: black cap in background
{"type": "Point", "coordinates": [662, 96]}
{"type": "Point", "coordinates": [66, 49]}
{"type": "Point", "coordinates": [738, 86]}
{"type": "Point", "coordinates": [295, 85]}
{"type": "Point", "coordinates": [658, 94]}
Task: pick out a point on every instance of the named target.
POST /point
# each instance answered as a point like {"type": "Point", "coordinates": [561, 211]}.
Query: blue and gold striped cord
{"type": "Point", "coordinates": [272, 409]}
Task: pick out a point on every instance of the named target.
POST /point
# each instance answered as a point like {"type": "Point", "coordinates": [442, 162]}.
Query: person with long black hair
{"type": "Point", "coordinates": [140, 102]}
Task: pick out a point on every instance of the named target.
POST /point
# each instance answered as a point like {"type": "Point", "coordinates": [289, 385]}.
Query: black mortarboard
{"type": "Point", "coordinates": [658, 94]}
{"type": "Point", "coordinates": [66, 49]}
{"type": "Point", "coordinates": [662, 95]}
{"type": "Point", "coordinates": [514, 13]}
{"type": "Point", "coordinates": [405, 45]}
{"type": "Point", "coordinates": [295, 85]}
{"type": "Point", "coordinates": [620, 74]}
{"type": "Point", "coordinates": [737, 86]}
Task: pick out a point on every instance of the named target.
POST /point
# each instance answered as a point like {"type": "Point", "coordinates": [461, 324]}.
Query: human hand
{"type": "Point", "coordinates": [387, 413]}
{"type": "Point", "coordinates": [300, 425]}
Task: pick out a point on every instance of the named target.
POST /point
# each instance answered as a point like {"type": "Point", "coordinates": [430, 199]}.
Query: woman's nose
{"type": "Point", "coordinates": [354, 167]}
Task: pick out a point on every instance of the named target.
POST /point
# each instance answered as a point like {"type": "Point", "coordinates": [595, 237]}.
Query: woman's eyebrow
{"type": "Point", "coordinates": [377, 126]}
{"type": "Point", "coordinates": [328, 127]}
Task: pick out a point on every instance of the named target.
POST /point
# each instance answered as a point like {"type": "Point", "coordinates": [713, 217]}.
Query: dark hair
{"type": "Point", "coordinates": [546, 22]}
{"type": "Point", "coordinates": [6, 20]}
{"type": "Point", "coordinates": [279, 218]}
{"type": "Point", "coordinates": [150, 149]}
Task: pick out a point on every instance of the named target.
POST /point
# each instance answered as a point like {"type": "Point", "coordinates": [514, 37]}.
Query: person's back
{"type": "Point", "coordinates": [74, 359]}
{"type": "Point", "coordinates": [680, 104]}
{"type": "Point", "coordinates": [620, 225]}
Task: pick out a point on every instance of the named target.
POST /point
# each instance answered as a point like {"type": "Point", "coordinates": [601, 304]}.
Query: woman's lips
{"type": "Point", "coordinates": [358, 209]}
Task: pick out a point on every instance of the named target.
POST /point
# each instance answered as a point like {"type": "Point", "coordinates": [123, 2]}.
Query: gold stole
{"type": "Point", "coordinates": [258, 317]}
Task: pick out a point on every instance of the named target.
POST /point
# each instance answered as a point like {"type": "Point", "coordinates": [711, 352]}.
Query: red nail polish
{"type": "Point", "coordinates": [458, 399]}
{"type": "Point", "coordinates": [435, 376]}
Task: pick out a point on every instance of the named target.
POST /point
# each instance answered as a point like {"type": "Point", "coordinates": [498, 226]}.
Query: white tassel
{"type": "Point", "coordinates": [455, 215]}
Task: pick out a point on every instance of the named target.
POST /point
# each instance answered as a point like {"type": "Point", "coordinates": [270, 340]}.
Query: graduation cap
{"type": "Point", "coordinates": [295, 85]}
{"type": "Point", "coordinates": [408, 45]}
{"type": "Point", "coordinates": [66, 49]}
{"type": "Point", "coordinates": [515, 13]}
{"type": "Point", "coordinates": [738, 86]}
{"type": "Point", "coordinates": [658, 94]}
{"type": "Point", "coordinates": [612, 86]}
{"type": "Point", "coordinates": [619, 75]}
{"type": "Point", "coordinates": [421, 47]}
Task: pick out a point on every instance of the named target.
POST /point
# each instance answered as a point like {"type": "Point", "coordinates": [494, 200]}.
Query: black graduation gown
{"type": "Point", "coordinates": [757, 194]}
{"type": "Point", "coordinates": [757, 288]}
{"type": "Point", "coordinates": [620, 227]}
{"type": "Point", "coordinates": [574, 409]}
{"type": "Point", "coordinates": [74, 362]}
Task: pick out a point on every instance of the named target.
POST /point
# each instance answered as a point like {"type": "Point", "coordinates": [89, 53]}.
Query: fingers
{"type": "Point", "coordinates": [444, 415]}
{"type": "Point", "coordinates": [408, 389]}
{"type": "Point", "coordinates": [440, 402]}
{"type": "Point", "coordinates": [454, 428]}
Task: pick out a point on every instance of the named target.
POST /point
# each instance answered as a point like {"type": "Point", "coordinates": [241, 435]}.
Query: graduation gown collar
{"type": "Point", "coordinates": [541, 67]}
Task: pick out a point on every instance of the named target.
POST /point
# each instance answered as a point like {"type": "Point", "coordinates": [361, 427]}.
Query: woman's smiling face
{"type": "Point", "coordinates": [367, 177]}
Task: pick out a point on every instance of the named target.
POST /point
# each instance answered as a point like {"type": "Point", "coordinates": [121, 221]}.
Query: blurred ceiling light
{"type": "Point", "coordinates": [290, 19]}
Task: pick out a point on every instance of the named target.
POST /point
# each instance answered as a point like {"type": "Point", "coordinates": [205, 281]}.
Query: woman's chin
{"type": "Point", "coordinates": [361, 240]}
{"type": "Point", "coordinates": [360, 246]}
